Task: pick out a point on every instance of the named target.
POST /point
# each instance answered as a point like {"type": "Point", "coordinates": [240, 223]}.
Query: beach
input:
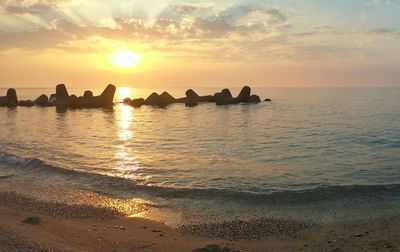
{"type": "Point", "coordinates": [32, 224]}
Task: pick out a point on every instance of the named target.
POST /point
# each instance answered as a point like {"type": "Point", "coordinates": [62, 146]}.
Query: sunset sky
{"type": "Point", "coordinates": [200, 43]}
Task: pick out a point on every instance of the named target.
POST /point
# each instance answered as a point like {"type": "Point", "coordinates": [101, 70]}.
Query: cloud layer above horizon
{"type": "Point", "coordinates": [277, 43]}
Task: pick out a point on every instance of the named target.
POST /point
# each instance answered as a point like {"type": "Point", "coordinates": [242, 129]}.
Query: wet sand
{"type": "Point", "coordinates": [61, 227]}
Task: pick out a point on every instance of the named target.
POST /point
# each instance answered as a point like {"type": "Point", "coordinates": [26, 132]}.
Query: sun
{"type": "Point", "coordinates": [125, 59]}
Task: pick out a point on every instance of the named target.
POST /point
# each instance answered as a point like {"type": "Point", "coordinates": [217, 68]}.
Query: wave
{"type": "Point", "coordinates": [11, 159]}
{"type": "Point", "coordinates": [122, 187]}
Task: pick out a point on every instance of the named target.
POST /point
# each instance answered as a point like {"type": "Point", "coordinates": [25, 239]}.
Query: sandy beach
{"type": "Point", "coordinates": [28, 224]}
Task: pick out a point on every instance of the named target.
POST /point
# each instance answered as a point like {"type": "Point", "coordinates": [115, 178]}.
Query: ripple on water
{"type": "Point", "coordinates": [306, 137]}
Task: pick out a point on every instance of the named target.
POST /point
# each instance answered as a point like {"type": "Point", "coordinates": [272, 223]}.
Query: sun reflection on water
{"type": "Point", "coordinates": [125, 117]}
{"type": "Point", "coordinates": [123, 92]}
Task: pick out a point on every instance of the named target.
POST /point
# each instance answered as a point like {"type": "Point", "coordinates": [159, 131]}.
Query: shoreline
{"type": "Point", "coordinates": [62, 227]}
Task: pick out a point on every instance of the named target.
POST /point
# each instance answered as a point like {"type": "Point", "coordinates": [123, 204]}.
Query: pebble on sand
{"type": "Point", "coordinates": [249, 229]}
{"type": "Point", "coordinates": [32, 220]}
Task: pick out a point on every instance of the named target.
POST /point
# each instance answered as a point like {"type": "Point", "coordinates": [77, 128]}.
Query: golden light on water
{"type": "Point", "coordinates": [127, 162]}
{"type": "Point", "coordinates": [124, 92]}
{"type": "Point", "coordinates": [125, 118]}
{"type": "Point", "coordinates": [125, 115]}
{"type": "Point", "coordinates": [125, 132]}
{"type": "Point", "coordinates": [125, 59]}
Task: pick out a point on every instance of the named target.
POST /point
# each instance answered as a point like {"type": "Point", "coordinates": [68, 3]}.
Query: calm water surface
{"type": "Point", "coordinates": [304, 140]}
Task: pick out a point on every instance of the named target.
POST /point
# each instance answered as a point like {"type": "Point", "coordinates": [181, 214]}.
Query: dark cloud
{"type": "Point", "coordinates": [28, 7]}
{"type": "Point", "coordinates": [34, 9]}
{"type": "Point", "coordinates": [270, 15]}
{"type": "Point", "coordinates": [318, 30]}
{"type": "Point", "coordinates": [179, 11]}
{"type": "Point", "coordinates": [383, 31]}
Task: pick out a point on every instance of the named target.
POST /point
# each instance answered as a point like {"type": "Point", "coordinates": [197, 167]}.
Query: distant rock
{"type": "Point", "coordinates": [73, 101]}
{"type": "Point", "coordinates": [191, 102]}
{"type": "Point", "coordinates": [12, 96]}
{"type": "Point", "coordinates": [3, 101]}
{"type": "Point", "coordinates": [152, 99]}
{"type": "Point", "coordinates": [244, 94]}
{"type": "Point", "coordinates": [52, 100]}
{"type": "Point", "coordinates": [226, 93]}
{"type": "Point", "coordinates": [62, 96]}
{"type": "Point", "coordinates": [206, 98]}
{"type": "Point", "coordinates": [88, 94]}
{"type": "Point", "coordinates": [27, 103]}
{"type": "Point", "coordinates": [126, 101]}
{"type": "Point", "coordinates": [268, 100]}
{"type": "Point", "coordinates": [10, 99]}
{"type": "Point", "coordinates": [80, 102]}
{"type": "Point", "coordinates": [181, 100]}
{"type": "Point", "coordinates": [107, 97]}
{"type": "Point", "coordinates": [137, 102]}
{"type": "Point", "coordinates": [235, 101]}
{"type": "Point", "coordinates": [61, 92]}
{"type": "Point", "coordinates": [63, 100]}
{"type": "Point", "coordinates": [42, 100]}
{"type": "Point", "coordinates": [87, 100]}
{"type": "Point", "coordinates": [217, 97]}
{"type": "Point", "coordinates": [191, 94]}
{"type": "Point", "coordinates": [165, 99]}
{"type": "Point", "coordinates": [224, 98]}
{"type": "Point", "coordinates": [160, 100]}
{"type": "Point", "coordinates": [254, 99]}
{"type": "Point", "coordinates": [12, 104]}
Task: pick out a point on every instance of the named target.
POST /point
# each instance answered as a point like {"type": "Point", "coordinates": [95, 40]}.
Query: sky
{"type": "Point", "coordinates": [270, 43]}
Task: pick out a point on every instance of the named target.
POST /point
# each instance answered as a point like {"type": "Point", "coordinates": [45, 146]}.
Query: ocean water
{"type": "Point", "coordinates": [307, 145]}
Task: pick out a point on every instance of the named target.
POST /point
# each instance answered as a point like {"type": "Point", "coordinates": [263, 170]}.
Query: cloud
{"type": "Point", "coordinates": [174, 24]}
{"type": "Point", "coordinates": [29, 7]}
{"type": "Point", "coordinates": [245, 32]}
{"type": "Point", "coordinates": [383, 32]}
{"type": "Point", "coordinates": [243, 20]}
{"type": "Point", "coordinates": [37, 8]}
{"type": "Point", "coordinates": [250, 32]}
{"type": "Point", "coordinates": [377, 2]}
{"type": "Point", "coordinates": [181, 11]}
{"type": "Point", "coordinates": [317, 30]}
{"type": "Point", "coordinates": [252, 15]}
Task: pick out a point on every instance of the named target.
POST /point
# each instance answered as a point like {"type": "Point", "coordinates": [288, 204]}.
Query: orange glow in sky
{"type": "Point", "coordinates": [125, 59]}
{"type": "Point", "coordinates": [191, 43]}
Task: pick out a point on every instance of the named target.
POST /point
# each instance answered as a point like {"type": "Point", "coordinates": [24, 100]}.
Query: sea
{"type": "Point", "coordinates": [316, 153]}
